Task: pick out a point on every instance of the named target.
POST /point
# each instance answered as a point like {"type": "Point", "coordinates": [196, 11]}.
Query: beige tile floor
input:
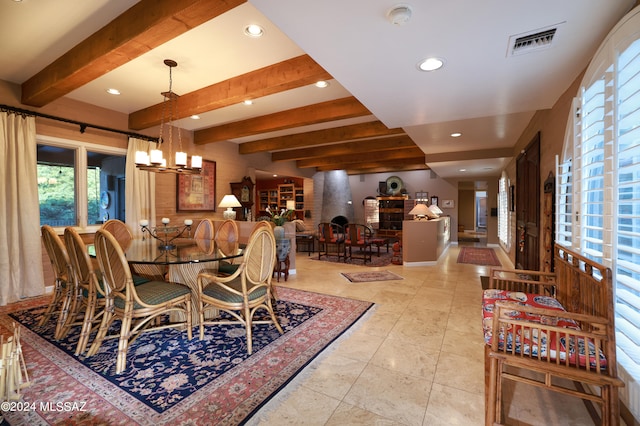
{"type": "Point", "coordinates": [416, 359]}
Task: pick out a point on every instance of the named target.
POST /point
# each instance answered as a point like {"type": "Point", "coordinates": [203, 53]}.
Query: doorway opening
{"type": "Point", "coordinates": [481, 211]}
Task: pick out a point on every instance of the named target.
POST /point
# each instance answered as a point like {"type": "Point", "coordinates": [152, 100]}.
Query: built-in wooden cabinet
{"type": "Point", "coordinates": [391, 213]}
{"type": "Point", "coordinates": [299, 199]}
{"type": "Point", "coordinates": [285, 193]}
{"type": "Point", "coordinates": [275, 194]}
{"type": "Point", "coordinates": [268, 198]}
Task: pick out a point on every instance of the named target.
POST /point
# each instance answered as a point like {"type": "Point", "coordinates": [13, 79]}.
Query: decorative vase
{"type": "Point", "coordinates": [278, 231]}
{"type": "Point", "coordinates": [282, 249]}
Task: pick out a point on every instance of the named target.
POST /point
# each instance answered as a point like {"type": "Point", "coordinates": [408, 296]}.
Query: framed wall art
{"type": "Point", "coordinates": [197, 192]}
{"type": "Point", "coordinates": [434, 200]}
{"type": "Point", "coordinates": [448, 204]}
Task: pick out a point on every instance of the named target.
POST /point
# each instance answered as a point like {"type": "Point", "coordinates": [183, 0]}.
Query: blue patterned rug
{"type": "Point", "coordinates": [169, 377]}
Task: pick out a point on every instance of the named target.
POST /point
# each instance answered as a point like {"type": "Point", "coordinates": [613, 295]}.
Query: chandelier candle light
{"type": "Point", "coordinates": [165, 233]}
{"type": "Point", "coordinates": [155, 161]}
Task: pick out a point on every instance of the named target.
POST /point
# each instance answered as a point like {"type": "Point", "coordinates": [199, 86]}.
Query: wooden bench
{"type": "Point", "coordinates": [539, 320]}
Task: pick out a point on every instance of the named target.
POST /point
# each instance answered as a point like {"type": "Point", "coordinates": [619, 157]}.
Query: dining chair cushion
{"type": "Point", "coordinates": [227, 268]}
{"type": "Point", "coordinates": [137, 279]}
{"type": "Point", "coordinates": [220, 293]}
{"type": "Point", "coordinates": [155, 293]}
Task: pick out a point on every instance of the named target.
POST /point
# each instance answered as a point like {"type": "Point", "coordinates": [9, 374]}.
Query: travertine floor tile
{"type": "Point", "coordinates": [390, 394]}
{"type": "Point", "coordinates": [416, 359]}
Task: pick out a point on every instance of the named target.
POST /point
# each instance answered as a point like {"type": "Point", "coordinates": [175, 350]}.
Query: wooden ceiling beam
{"type": "Point", "coordinates": [143, 27]}
{"type": "Point", "coordinates": [347, 148]}
{"type": "Point", "coordinates": [286, 75]}
{"type": "Point", "coordinates": [388, 169]}
{"type": "Point", "coordinates": [370, 129]}
{"type": "Point", "coordinates": [323, 112]}
{"type": "Point", "coordinates": [338, 165]}
{"type": "Point", "coordinates": [398, 154]}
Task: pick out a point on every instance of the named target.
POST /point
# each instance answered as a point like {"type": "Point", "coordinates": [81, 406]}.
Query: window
{"type": "Point", "coordinates": [598, 185]}
{"type": "Point", "coordinates": [503, 211]}
{"type": "Point", "coordinates": [79, 184]}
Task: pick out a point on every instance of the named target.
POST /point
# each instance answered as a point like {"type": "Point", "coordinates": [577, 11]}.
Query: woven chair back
{"type": "Point", "coordinates": [260, 256]}
{"type": "Point", "coordinates": [227, 231]}
{"type": "Point", "coordinates": [113, 265]}
{"type": "Point", "coordinates": [57, 252]}
{"type": "Point", "coordinates": [204, 231]}
{"type": "Point", "coordinates": [120, 231]}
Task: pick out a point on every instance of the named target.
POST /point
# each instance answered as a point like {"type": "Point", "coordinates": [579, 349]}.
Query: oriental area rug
{"type": "Point", "coordinates": [170, 379]}
{"type": "Point", "coordinates": [478, 256]}
{"type": "Point", "coordinates": [362, 277]}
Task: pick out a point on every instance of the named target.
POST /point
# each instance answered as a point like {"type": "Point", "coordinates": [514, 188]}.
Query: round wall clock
{"type": "Point", "coordinates": [105, 200]}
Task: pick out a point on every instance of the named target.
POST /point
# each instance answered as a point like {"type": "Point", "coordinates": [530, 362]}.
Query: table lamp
{"type": "Point", "coordinates": [435, 209]}
{"type": "Point", "coordinates": [419, 212]}
{"type": "Point", "coordinates": [229, 201]}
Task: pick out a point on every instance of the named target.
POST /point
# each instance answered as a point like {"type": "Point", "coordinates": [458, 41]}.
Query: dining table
{"type": "Point", "coordinates": [181, 262]}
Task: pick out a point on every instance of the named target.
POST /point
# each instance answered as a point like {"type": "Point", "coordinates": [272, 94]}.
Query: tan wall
{"type": "Point", "coordinates": [466, 207]}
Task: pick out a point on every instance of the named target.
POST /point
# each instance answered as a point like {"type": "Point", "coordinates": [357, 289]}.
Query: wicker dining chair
{"type": "Point", "coordinates": [246, 291]}
{"type": "Point", "coordinates": [120, 231]}
{"type": "Point", "coordinates": [90, 295]}
{"type": "Point", "coordinates": [226, 240]}
{"type": "Point", "coordinates": [136, 306]}
{"type": "Point", "coordinates": [141, 272]}
{"type": "Point", "coordinates": [204, 230]}
{"type": "Point", "coordinates": [62, 286]}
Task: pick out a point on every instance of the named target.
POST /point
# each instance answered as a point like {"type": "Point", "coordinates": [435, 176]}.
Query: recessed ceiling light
{"type": "Point", "coordinates": [254, 30]}
{"type": "Point", "coordinates": [463, 170]}
{"type": "Point", "coordinates": [456, 135]}
{"type": "Point", "coordinates": [431, 64]}
{"type": "Point", "coordinates": [322, 84]}
{"type": "Point", "coordinates": [275, 175]}
{"type": "Point", "coordinates": [248, 102]}
{"type": "Point", "coordinates": [113, 91]}
{"type": "Point", "coordinates": [195, 117]}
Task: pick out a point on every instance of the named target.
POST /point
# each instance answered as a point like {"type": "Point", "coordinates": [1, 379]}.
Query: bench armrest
{"type": "Point", "coordinates": [525, 281]}
{"type": "Point", "coordinates": [556, 337]}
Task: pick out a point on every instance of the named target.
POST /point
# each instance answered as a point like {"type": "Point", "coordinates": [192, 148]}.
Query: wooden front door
{"type": "Point", "coordinates": [528, 207]}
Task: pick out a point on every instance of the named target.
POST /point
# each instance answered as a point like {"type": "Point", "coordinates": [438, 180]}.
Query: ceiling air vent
{"type": "Point", "coordinates": [525, 43]}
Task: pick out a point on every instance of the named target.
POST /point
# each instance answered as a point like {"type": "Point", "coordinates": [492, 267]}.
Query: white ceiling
{"type": "Point", "coordinates": [482, 91]}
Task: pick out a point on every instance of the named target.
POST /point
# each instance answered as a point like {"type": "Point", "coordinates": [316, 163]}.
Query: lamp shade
{"type": "Point", "coordinates": [229, 201]}
{"type": "Point", "coordinates": [420, 210]}
{"type": "Point", "coordinates": [435, 209]}
{"type": "Point", "coordinates": [291, 205]}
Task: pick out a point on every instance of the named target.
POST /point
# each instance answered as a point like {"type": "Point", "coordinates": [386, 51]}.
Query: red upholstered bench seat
{"type": "Point", "coordinates": [539, 335]}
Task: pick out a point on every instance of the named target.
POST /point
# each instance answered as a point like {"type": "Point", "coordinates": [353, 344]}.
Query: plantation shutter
{"type": "Point", "coordinates": [592, 170]}
{"type": "Point", "coordinates": [627, 265]}
{"type": "Point", "coordinates": [503, 211]}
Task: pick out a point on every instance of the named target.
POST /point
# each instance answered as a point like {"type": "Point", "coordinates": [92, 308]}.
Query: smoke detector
{"type": "Point", "coordinates": [400, 14]}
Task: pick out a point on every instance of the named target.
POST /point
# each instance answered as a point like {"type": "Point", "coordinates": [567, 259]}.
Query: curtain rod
{"type": "Point", "coordinates": [83, 126]}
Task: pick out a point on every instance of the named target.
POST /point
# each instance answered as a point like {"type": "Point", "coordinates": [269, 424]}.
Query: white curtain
{"type": "Point", "coordinates": [140, 196]}
{"type": "Point", "coordinates": [20, 246]}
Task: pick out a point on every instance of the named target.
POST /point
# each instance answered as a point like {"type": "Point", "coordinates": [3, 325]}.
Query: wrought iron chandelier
{"type": "Point", "coordinates": [154, 161]}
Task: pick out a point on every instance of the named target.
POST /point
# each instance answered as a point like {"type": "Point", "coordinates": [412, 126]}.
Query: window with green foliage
{"type": "Point", "coordinates": [79, 184]}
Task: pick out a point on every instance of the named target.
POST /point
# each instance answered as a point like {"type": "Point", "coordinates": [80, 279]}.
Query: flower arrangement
{"type": "Point", "coordinates": [279, 218]}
